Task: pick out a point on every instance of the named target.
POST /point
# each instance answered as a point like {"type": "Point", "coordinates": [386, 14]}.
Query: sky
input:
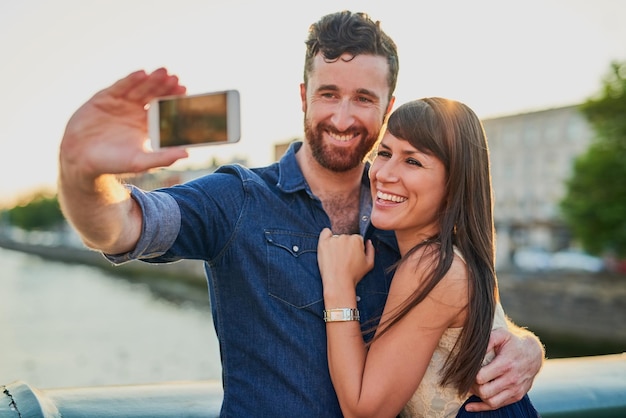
{"type": "Point", "coordinates": [499, 57]}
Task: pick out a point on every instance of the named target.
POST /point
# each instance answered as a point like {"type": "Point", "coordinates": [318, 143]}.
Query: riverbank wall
{"type": "Point", "coordinates": [573, 313]}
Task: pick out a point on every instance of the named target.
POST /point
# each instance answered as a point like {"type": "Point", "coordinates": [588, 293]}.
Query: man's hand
{"type": "Point", "coordinates": [519, 357]}
{"type": "Point", "coordinates": [108, 134]}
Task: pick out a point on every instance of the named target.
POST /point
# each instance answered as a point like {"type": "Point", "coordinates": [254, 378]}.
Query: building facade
{"type": "Point", "coordinates": [532, 156]}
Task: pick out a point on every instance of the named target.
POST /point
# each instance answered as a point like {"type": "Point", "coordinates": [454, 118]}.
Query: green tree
{"type": "Point", "coordinates": [594, 206]}
{"type": "Point", "coordinates": [38, 212]}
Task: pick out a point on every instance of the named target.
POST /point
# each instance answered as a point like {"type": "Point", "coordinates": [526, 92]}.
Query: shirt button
{"type": "Point", "coordinates": [364, 218]}
{"type": "Point", "coordinates": [358, 298]}
{"type": "Point", "coordinates": [295, 248]}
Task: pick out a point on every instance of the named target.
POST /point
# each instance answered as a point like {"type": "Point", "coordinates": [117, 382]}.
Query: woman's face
{"type": "Point", "coordinates": [408, 188]}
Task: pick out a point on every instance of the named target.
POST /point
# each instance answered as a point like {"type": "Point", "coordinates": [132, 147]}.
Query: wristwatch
{"type": "Point", "coordinates": [341, 315]}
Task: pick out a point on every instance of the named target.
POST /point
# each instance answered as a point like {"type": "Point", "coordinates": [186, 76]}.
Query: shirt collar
{"type": "Point", "coordinates": [290, 177]}
{"type": "Point", "coordinates": [291, 180]}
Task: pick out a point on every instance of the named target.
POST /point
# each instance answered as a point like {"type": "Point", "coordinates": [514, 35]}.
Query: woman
{"type": "Point", "coordinates": [431, 185]}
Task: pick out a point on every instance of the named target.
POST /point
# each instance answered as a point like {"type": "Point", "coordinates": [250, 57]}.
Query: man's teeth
{"type": "Point", "coordinates": [390, 197]}
{"type": "Point", "coordinates": [342, 138]}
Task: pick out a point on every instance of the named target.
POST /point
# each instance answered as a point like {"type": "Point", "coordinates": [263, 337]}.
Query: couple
{"type": "Point", "coordinates": [257, 231]}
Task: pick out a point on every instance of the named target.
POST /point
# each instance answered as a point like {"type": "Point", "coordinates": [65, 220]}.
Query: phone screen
{"type": "Point", "coordinates": [196, 120]}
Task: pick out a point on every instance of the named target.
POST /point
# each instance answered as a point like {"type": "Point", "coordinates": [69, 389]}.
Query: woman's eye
{"type": "Point", "coordinates": [386, 154]}
{"type": "Point", "coordinates": [414, 162]}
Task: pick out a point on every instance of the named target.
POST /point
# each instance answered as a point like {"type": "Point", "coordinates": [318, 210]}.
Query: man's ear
{"type": "Point", "coordinates": [303, 96]}
{"type": "Point", "coordinates": [390, 106]}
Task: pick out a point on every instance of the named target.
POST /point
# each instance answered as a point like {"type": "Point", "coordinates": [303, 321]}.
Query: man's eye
{"type": "Point", "coordinates": [364, 100]}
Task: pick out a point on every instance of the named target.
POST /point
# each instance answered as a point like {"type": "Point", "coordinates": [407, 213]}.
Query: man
{"type": "Point", "coordinates": [257, 229]}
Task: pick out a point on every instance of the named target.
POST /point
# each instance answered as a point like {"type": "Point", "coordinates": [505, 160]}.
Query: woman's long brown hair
{"type": "Point", "coordinates": [451, 131]}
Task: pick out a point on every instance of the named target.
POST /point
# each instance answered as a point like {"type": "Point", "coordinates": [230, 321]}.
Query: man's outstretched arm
{"type": "Point", "coordinates": [105, 137]}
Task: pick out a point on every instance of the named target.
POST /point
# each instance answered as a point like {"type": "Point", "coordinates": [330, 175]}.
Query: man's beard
{"type": "Point", "coordinates": [338, 160]}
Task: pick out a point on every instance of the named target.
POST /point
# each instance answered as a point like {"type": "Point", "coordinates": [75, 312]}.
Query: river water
{"type": "Point", "coordinates": [67, 325]}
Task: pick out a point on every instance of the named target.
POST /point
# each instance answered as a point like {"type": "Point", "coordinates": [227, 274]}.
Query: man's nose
{"type": "Point", "coordinates": [343, 115]}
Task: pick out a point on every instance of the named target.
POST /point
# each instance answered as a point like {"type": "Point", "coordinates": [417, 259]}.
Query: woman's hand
{"type": "Point", "coordinates": [343, 260]}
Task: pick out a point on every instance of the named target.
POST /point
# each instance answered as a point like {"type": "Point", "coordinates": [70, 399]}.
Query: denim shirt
{"type": "Point", "coordinates": [257, 232]}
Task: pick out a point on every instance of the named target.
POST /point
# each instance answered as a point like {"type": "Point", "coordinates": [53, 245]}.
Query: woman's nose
{"type": "Point", "coordinates": [386, 172]}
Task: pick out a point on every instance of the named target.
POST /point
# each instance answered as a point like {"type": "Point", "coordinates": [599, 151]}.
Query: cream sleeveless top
{"type": "Point", "coordinates": [436, 401]}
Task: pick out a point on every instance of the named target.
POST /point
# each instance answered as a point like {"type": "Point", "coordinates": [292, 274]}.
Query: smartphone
{"type": "Point", "coordinates": [195, 120]}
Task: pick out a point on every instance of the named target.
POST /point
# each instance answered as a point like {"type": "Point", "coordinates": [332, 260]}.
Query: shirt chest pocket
{"type": "Point", "coordinates": [293, 276]}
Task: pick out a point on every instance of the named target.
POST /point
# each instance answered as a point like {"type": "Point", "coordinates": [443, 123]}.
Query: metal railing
{"type": "Point", "coordinates": [574, 387]}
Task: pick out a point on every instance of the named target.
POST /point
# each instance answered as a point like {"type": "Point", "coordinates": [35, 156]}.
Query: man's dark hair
{"type": "Point", "coordinates": [353, 33]}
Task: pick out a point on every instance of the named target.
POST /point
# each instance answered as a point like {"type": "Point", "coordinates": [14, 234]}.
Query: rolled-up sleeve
{"type": "Point", "coordinates": [160, 226]}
